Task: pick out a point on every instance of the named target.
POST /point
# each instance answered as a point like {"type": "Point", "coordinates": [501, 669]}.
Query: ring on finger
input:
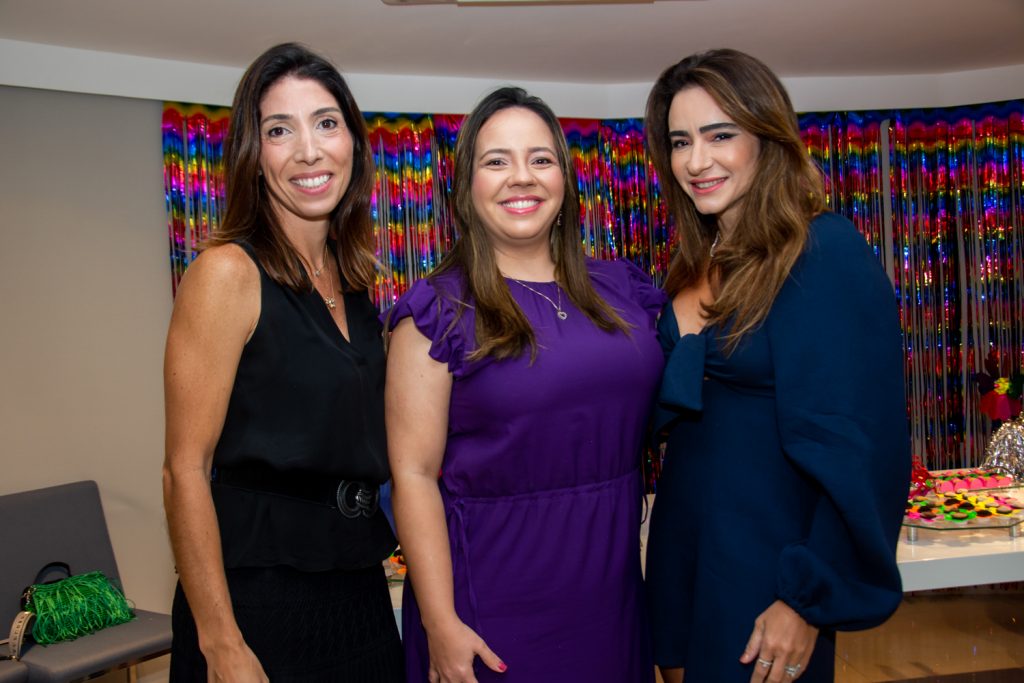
{"type": "Point", "coordinates": [792, 670]}
{"type": "Point", "coordinates": [765, 663]}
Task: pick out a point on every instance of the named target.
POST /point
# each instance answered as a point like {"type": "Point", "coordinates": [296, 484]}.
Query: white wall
{"type": "Point", "coordinates": [85, 302]}
{"type": "Point", "coordinates": [43, 66]}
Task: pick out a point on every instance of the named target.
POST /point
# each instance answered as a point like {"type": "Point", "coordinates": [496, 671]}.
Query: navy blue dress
{"type": "Point", "coordinates": [786, 469]}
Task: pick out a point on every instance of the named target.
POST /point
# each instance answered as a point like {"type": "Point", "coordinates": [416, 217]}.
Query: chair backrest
{"type": "Point", "coordinates": [55, 524]}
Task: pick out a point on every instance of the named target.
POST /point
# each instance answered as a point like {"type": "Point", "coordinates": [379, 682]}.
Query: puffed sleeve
{"type": "Point", "coordinates": [837, 352]}
{"type": "Point", "coordinates": [621, 284]}
{"type": "Point", "coordinates": [643, 291]}
{"type": "Point", "coordinates": [433, 306]}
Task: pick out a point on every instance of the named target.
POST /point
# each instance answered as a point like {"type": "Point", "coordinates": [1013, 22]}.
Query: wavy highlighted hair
{"type": "Point", "coordinates": [785, 193]}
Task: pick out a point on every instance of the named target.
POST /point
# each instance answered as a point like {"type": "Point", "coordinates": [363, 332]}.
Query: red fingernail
{"type": "Point", "coordinates": [501, 666]}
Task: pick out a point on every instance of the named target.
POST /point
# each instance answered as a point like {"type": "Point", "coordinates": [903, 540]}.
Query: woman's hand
{"type": "Point", "coordinates": [452, 651]}
{"type": "Point", "coordinates": [234, 664]}
{"type": "Point", "coordinates": [780, 646]}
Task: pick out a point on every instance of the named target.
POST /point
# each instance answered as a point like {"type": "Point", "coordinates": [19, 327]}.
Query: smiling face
{"type": "Point", "coordinates": [713, 159]}
{"type": "Point", "coordinates": [305, 150]}
{"type": "Point", "coordinates": [518, 186]}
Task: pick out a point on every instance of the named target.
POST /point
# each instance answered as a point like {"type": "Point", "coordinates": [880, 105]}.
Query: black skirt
{"type": "Point", "coordinates": [333, 626]}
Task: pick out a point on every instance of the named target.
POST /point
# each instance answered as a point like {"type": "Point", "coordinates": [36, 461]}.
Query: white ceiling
{"type": "Point", "coordinates": [597, 43]}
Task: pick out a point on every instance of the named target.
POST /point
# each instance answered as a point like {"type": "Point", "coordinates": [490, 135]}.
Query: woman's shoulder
{"type": "Point", "coordinates": [220, 289]}
{"type": "Point", "coordinates": [623, 280]}
{"type": "Point", "coordinates": [834, 249]}
{"type": "Point", "coordinates": [618, 271]}
{"type": "Point", "coordinates": [830, 232]}
{"type": "Point", "coordinates": [433, 306]}
{"type": "Point", "coordinates": [433, 302]}
{"type": "Point", "coordinates": [608, 267]}
{"type": "Point", "coordinates": [837, 260]}
{"type": "Point", "coordinates": [227, 266]}
{"type": "Point", "coordinates": [447, 285]}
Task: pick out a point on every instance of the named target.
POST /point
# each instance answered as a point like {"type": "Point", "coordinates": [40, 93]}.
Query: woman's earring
{"type": "Point", "coordinates": [558, 221]}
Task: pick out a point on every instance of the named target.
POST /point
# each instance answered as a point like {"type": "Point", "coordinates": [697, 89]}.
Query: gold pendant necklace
{"type": "Point", "coordinates": [331, 302]}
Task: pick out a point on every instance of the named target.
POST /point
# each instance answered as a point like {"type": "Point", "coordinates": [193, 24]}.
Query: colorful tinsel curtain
{"type": "Point", "coordinates": [938, 194]}
{"type": "Point", "coordinates": [193, 142]}
{"type": "Point", "coordinates": [620, 202]}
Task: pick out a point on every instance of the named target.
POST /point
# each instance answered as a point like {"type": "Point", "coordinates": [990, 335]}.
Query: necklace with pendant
{"type": "Point", "coordinates": [331, 302]}
{"type": "Point", "coordinates": [562, 315]}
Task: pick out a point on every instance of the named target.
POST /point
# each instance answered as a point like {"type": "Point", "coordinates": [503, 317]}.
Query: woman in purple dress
{"type": "Point", "coordinates": [523, 373]}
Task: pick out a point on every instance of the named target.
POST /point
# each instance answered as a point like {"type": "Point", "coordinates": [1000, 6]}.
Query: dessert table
{"type": "Point", "coordinates": [967, 557]}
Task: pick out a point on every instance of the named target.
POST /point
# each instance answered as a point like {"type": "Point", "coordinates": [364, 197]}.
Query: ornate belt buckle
{"type": "Point", "coordinates": [356, 499]}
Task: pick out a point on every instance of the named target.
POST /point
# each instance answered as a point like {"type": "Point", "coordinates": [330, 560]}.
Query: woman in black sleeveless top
{"type": "Point", "coordinates": [274, 378]}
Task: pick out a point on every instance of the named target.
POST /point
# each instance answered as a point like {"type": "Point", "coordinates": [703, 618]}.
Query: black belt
{"type": "Point", "coordinates": [351, 498]}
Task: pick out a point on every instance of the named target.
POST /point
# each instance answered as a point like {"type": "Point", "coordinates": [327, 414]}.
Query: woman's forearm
{"type": "Point", "coordinates": [423, 534]}
{"type": "Point", "coordinates": [195, 540]}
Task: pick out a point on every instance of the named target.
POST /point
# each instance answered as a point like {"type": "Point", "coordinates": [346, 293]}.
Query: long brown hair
{"type": "Point", "coordinates": [502, 330]}
{"type": "Point", "coordinates": [785, 193]}
{"type": "Point", "coordinates": [249, 216]}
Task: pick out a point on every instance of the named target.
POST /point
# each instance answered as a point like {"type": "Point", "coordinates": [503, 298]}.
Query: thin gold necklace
{"type": "Point", "coordinates": [562, 315]}
{"type": "Point", "coordinates": [317, 271]}
{"type": "Point", "coordinates": [331, 302]}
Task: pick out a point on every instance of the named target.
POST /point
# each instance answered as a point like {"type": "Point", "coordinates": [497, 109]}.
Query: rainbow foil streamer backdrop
{"type": "Point", "coordinates": [938, 194]}
{"type": "Point", "coordinates": [193, 143]}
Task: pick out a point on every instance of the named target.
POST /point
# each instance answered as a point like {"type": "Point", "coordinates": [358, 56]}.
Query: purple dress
{"type": "Point", "coordinates": [541, 482]}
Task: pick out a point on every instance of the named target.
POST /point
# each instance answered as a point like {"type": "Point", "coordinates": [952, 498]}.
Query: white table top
{"type": "Point", "coordinates": [943, 559]}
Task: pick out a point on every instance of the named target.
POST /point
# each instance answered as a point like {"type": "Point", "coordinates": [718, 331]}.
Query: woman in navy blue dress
{"type": "Point", "coordinates": [787, 464]}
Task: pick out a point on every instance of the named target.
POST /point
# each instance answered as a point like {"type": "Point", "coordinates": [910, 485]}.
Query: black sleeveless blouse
{"type": "Point", "coordinates": [306, 402]}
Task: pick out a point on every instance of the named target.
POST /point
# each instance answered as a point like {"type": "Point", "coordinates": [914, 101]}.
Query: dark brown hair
{"type": "Point", "coordinates": [502, 330]}
{"type": "Point", "coordinates": [249, 215]}
{"type": "Point", "coordinates": [785, 193]}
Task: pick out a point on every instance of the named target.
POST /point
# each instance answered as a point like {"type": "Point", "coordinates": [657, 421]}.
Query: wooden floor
{"type": "Point", "coordinates": [970, 636]}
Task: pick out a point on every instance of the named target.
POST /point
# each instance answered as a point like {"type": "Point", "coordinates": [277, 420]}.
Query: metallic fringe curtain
{"type": "Point", "coordinates": [193, 141]}
{"type": "Point", "coordinates": [938, 194]}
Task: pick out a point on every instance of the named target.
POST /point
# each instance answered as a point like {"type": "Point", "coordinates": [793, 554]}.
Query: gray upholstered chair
{"type": "Point", "coordinates": [66, 524]}
{"type": "Point", "coordinates": [12, 672]}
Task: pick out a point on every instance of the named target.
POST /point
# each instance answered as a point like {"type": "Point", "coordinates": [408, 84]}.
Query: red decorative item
{"type": "Point", "coordinates": [999, 406]}
{"type": "Point", "coordinates": [920, 478]}
{"type": "Point", "coordinates": [1000, 395]}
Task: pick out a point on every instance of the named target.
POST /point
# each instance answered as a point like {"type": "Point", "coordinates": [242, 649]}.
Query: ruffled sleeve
{"type": "Point", "coordinates": [434, 307]}
{"type": "Point", "coordinates": [620, 282]}
{"type": "Point", "coordinates": [643, 291]}
{"type": "Point", "coordinates": [837, 353]}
